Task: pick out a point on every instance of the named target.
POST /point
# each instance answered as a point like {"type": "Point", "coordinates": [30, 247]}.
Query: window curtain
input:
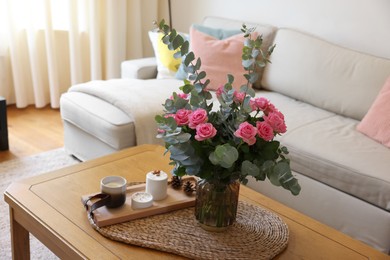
{"type": "Point", "coordinates": [48, 45]}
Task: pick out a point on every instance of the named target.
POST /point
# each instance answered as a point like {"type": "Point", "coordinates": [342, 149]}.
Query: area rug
{"type": "Point", "coordinates": [19, 169]}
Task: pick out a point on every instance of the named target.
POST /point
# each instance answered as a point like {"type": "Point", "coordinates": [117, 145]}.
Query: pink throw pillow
{"type": "Point", "coordinates": [376, 123]}
{"type": "Point", "coordinates": [219, 58]}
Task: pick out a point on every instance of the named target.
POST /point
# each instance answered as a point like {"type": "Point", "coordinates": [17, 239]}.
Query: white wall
{"type": "Point", "coordinates": [363, 25]}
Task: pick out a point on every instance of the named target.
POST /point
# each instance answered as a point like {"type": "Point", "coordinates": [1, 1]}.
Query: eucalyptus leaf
{"type": "Point", "coordinates": [193, 169]}
{"type": "Point", "coordinates": [190, 69]}
{"type": "Point", "coordinates": [171, 122]}
{"type": "Point", "coordinates": [284, 149]}
{"type": "Point", "coordinates": [230, 78]}
{"type": "Point", "coordinates": [261, 64]}
{"type": "Point", "coordinates": [179, 157]}
{"type": "Point", "coordinates": [246, 105]}
{"type": "Point", "coordinates": [183, 137]}
{"type": "Point", "coordinates": [274, 179]}
{"type": "Point", "coordinates": [224, 155]}
{"type": "Point", "coordinates": [180, 103]}
{"type": "Point", "coordinates": [198, 87]}
{"type": "Point", "coordinates": [195, 99]}
{"type": "Point", "coordinates": [189, 58]}
{"type": "Point", "coordinates": [271, 49]}
{"type": "Point", "coordinates": [159, 119]}
{"type": "Point", "coordinates": [172, 35]}
{"type": "Point", "coordinates": [253, 77]}
{"type": "Point", "coordinates": [165, 39]}
{"type": "Point", "coordinates": [198, 64]}
{"type": "Point", "coordinates": [192, 77]}
{"type": "Point", "coordinates": [187, 88]}
{"type": "Point", "coordinates": [248, 168]}
{"type": "Point", "coordinates": [177, 55]}
{"type": "Point", "coordinates": [255, 53]}
{"type": "Point", "coordinates": [247, 42]}
{"type": "Point", "coordinates": [248, 90]}
{"type": "Point", "coordinates": [286, 179]}
{"type": "Point", "coordinates": [177, 42]}
{"type": "Point", "coordinates": [247, 63]}
{"type": "Point", "coordinates": [201, 75]}
{"type": "Point", "coordinates": [161, 24]}
{"type": "Point", "coordinates": [205, 85]}
{"type": "Point", "coordinates": [184, 48]}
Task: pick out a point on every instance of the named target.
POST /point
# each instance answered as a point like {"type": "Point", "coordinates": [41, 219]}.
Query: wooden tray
{"type": "Point", "coordinates": [176, 199]}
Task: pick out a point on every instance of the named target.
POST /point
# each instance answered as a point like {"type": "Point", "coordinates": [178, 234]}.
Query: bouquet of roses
{"type": "Point", "coordinates": [230, 143]}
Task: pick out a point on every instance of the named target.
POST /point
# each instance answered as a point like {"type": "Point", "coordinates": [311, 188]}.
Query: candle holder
{"type": "Point", "coordinates": [157, 184]}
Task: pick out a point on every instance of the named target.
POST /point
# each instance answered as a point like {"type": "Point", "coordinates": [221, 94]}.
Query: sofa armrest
{"type": "Point", "coordinates": [144, 68]}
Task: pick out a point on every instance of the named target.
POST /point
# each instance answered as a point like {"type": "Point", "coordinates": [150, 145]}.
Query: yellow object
{"type": "Point", "coordinates": [166, 55]}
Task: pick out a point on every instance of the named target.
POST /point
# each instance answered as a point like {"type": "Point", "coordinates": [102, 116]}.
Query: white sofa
{"type": "Point", "coordinates": [323, 89]}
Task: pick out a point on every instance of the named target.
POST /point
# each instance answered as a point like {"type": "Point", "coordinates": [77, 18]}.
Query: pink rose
{"type": "Point", "coordinates": [265, 131]}
{"type": "Point", "coordinates": [181, 95]}
{"type": "Point", "coordinates": [247, 132]}
{"type": "Point", "coordinates": [182, 116]}
{"type": "Point", "coordinates": [169, 115]}
{"type": "Point", "coordinates": [219, 91]}
{"type": "Point", "coordinates": [276, 121]}
{"type": "Point", "coordinates": [259, 103]}
{"type": "Point", "coordinates": [197, 117]}
{"type": "Point", "coordinates": [270, 109]}
{"type": "Point", "coordinates": [239, 96]}
{"type": "Point", "coordinates": [205, 131]}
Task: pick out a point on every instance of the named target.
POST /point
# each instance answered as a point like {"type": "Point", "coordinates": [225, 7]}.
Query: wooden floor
{"type": "Point", "coordinates": [32, 131]}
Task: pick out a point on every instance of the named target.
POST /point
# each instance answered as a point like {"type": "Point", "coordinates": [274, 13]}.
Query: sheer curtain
{"type": "Point", "coordinates": [48, 45]}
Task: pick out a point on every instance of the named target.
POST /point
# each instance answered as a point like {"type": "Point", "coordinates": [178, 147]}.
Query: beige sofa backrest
{"type": "Point", "coordinates": [323, 74]}
{"type": "Point", "coordinates": [315, 71]}
{"type": "Point", "coordinates": [361, 25]}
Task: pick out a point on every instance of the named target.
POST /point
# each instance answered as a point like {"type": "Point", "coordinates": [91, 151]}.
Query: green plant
{"type": "Point", "coordinates": [233, 142]}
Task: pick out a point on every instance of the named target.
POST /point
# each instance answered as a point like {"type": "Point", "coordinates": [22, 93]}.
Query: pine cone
{"type": "Point", "coordinates": [176, 182]}
{"type": "Point", "coordinates": [189, 188]}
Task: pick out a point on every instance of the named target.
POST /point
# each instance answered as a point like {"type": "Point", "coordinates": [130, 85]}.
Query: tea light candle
{"type": "Point", "coordinates": [157, 184]}
{"type": "Point", "coordinates": [141, 200]}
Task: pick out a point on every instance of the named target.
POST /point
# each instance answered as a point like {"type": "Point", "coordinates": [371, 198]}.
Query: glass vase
{"type": "Point", "coordinates": [216, 205]}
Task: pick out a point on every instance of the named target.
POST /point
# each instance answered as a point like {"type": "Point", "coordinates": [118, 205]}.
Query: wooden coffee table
{"type": "Point", "coordinates": [49, 207]}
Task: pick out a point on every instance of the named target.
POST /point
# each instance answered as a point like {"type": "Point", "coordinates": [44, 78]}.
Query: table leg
{"type": "Point", "coordinates": [3, 125]}
{"type": "Point", "coordinates": [20, 239]}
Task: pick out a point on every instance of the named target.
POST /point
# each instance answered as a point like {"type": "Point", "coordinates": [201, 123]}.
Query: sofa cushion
{"type": "Point", "coordinates": [328, 76]}
{"type": "Point", "coordinates": [297, 114]}
{"type": "Point", "coordinates": [219, 57]}
{"type": "Point", "coordinates": [376, 123]}
{"type": "Point", "coordinates": [267, 31]}
{"type": "Point", "coordinates": [333, 152]}
{"type": "Point", "coordinates": [326, 147]}
{"type": "Point", "coordinates": [217, 33]}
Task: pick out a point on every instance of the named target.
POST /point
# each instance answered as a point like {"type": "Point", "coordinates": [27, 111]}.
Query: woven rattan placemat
{"type": "Point", "coordinates": [257, 234]}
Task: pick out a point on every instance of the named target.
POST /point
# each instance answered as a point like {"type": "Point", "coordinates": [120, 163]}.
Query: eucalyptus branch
{"type": "Point", "coordinates": [175, 41]}
{"type": "Point", "coordinates": [253, 58]}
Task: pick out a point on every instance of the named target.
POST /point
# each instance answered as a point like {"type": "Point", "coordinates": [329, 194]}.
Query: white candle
{"type": "Point", "coordinates": [157, 184]}
{"type": "Point", "coordinates": [141, 200]}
